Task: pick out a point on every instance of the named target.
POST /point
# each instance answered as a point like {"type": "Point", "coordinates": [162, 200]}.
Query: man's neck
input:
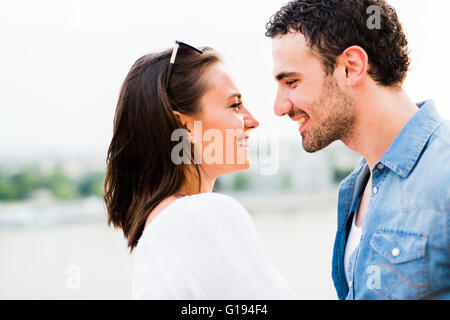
{"type": "Point", "coordinates": [379, 119]}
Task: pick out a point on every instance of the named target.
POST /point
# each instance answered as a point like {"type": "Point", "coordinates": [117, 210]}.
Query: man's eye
{"type": "Point", "coordinates": [290, 83]}
{"type": "Point", "coordinates": [236, 106]}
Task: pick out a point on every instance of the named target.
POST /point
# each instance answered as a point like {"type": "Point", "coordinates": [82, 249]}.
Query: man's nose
{"type": "Point", "coordinates": [282, 105]}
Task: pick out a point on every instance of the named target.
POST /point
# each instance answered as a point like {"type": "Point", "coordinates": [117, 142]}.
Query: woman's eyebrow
{"type": "Point", "coordinates": [237, 94]}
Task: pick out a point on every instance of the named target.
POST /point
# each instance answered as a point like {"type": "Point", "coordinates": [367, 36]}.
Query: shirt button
{"type": "Point", "coordinates": [396, 252]}
{"type": "Point", "coordinates": [380, 166]}
{"type": "Point", "coordinates": [375, 190]}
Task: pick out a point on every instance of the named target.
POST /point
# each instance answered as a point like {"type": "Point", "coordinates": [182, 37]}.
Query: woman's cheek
{"type": "Point", "coordinates": [231, 127]}
{"type": "Point", "coordinates": [240, 116]}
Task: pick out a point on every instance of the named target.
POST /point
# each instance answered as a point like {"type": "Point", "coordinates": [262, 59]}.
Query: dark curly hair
{"type": "Point", "coordinates": [331, 26]}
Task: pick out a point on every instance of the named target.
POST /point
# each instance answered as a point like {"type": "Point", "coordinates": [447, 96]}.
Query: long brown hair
{"type": "Point", "coordinates": [139, 170]}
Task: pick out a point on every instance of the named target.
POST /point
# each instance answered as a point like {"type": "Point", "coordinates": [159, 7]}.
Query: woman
{"type": "Point", "coordinates": [189, 242]}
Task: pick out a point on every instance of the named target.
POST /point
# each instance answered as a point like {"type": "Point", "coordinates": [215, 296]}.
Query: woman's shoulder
{"type": "Point", "coordinates": [209, 203]}
{"type": "Point", "coordinates": [199, 213]}
{"type": "Point", "coordinates": [208, 197]}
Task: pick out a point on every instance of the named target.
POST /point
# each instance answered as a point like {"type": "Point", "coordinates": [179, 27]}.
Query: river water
{"type": "Point", "coordinates": [90, 260]}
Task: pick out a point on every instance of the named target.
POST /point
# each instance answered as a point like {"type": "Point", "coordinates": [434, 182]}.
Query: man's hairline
{"type": "Point", "coordinates": [311, 51]}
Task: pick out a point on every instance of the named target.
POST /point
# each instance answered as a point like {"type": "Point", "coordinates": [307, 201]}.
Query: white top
{"type": "Point", "coordinates": [353, 240]}
{"type": "Point", "coordinates": [204, 246]}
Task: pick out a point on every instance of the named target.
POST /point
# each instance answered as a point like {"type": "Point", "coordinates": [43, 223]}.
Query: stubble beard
{"type": "Point", "coordinates": [333, 115]}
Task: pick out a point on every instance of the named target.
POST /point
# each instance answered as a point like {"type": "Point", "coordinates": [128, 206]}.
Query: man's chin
{"type": "Point", "coordinates": [308, 149]}
{"type": "Point", "coordinates": [306, 144]}
{"type": "Point", "coordinates": [313, 146]}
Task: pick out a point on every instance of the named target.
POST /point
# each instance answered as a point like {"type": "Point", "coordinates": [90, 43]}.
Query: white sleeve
{"type": "Point", "coordinates": [210, 250]}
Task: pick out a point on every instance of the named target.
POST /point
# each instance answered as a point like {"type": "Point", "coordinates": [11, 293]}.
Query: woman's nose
{"type": "Point", "coordinates": [250, 121]}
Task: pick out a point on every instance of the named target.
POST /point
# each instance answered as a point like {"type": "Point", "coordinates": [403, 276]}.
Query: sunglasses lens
{"type": "Point", "coordinates": [185, 50]}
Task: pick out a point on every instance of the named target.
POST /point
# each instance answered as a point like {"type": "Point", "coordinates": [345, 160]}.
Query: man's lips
{"type": "Point", "coordinates": [298, 114]}
{"type": "Point", "coordinates": [301, 119]}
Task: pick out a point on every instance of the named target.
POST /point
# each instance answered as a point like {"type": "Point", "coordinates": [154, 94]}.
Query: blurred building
{"type": "Point", "coordinates": [297, 170]}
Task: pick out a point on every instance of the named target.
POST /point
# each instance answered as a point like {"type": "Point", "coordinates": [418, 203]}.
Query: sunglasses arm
{"type": "Point", "coordinates": [172, 61]}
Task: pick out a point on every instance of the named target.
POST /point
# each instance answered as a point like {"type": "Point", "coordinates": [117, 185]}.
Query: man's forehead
{"type": "Point", "coordinates": [290, 51]}
{"type": "Point", "coordinates": [290, 42]}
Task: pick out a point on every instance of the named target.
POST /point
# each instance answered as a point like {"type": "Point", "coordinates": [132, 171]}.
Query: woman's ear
{"type": "Point", "coordinates": [185, 120]}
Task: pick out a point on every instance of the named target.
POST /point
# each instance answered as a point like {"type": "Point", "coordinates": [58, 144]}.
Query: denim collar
{"type": "Point", "coordinates": [407, 147]}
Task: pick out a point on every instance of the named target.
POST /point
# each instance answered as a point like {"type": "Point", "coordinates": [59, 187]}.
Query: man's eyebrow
{"type": "Point", "coordinates": [283, 75]}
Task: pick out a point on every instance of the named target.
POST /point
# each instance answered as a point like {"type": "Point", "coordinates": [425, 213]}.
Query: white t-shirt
{"type": "Point", "coordinates": [204, 246]}
{"type": "Point", "coordinates": [353, 240]}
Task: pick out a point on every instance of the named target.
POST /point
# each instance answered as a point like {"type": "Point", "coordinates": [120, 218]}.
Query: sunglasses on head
{"type": "Point", "coordinates": [180, 50]}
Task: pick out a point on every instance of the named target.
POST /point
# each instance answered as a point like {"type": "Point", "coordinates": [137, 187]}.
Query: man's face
{"type": "Point", "coordinates": [308, 96]}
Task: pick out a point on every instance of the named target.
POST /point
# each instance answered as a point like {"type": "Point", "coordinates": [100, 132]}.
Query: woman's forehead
{"type": "Point", "coordinates": [221, 84]}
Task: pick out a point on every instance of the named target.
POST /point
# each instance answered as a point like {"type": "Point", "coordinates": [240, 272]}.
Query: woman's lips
{"type": "Point", "coordinates": [243, 142]}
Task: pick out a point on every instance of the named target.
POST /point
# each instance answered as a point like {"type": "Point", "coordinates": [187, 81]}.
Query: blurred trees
{"type": "Point", "coordinates": [241, 181]}
{"type": "Point", "coordinates": [92, 184]}
{"type": "Point", "coordinates": [340, 173]}
{"type": "Point", "coordinates": [60, 185]}
{"type": "Point", "coordinates": [19, 185]}
{"type": "Point", "coordinates": [22, 184]}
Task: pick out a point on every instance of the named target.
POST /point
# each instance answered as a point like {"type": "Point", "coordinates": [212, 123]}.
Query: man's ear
{"type": "Point", "coordinates": [356, 62]}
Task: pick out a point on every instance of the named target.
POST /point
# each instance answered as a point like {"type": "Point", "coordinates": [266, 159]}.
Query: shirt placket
{"type": "Point", "coordinates": [377, 179]}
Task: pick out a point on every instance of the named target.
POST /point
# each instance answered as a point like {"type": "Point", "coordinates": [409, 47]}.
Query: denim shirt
{"type": "Point", "coordinates": [404, 251]}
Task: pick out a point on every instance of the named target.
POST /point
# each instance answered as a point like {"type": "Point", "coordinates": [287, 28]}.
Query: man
{"type": "Point", "coordinates": [340, 73]}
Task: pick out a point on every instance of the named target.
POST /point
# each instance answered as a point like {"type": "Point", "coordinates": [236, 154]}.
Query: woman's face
{"type": "Point", "coordinates": [221, 129]}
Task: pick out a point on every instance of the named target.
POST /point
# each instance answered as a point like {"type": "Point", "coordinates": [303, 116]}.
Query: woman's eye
{"type": "Point", "coordinates": [236, 106]}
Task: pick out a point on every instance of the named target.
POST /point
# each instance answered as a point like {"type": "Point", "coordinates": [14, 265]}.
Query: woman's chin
{"type": "Point", "coordinates": [243, 161]}
{"type": "Point", "coordinates": [245, 166]}
{"type": "Point", "coordinates": [240, 162]}
{"type": "Point", "coordinates": [242, 165]}
{"type": "Point", "coordinates": [231, 168]}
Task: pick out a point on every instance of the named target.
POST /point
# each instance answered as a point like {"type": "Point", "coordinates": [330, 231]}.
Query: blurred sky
{"type": "Point", "coordinates": [63, 62]}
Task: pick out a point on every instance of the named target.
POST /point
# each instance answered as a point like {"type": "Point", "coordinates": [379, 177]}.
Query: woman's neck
{"type": "Point", "coordinates": [192, 184]}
